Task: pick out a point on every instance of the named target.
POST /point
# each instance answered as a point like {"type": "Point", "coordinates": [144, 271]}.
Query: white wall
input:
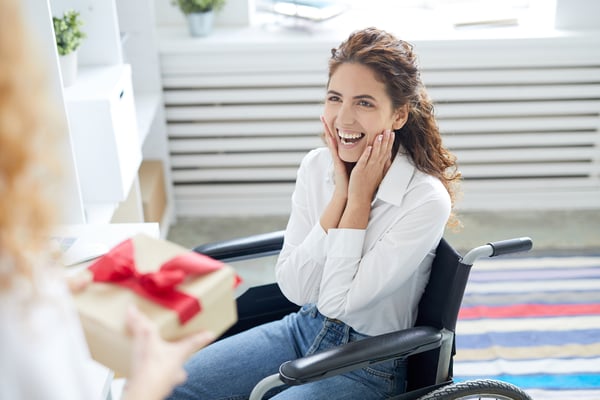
{"type": "Point", "coordinates": [578, 14]}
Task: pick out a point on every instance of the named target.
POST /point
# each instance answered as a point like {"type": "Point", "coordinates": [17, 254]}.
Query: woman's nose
{"type": "Point", "coordinates": [346, 114]}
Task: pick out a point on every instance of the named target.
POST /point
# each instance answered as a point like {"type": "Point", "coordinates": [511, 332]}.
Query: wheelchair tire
{"type": "Point", "coordinates": [478, 389]}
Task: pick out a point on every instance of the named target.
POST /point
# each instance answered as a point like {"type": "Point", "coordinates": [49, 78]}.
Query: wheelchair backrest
{"type": "Point", "coordinates": [438, 307]}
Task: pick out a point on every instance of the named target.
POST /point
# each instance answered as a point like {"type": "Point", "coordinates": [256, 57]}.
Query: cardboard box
{"type": "Point", "coordinates": [152, 187]}
{"type": "Point", "coordinates": [102, 306]}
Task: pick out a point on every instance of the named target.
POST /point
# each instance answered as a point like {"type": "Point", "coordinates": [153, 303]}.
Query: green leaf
{"type": "Point", "coordinates": [198, 6]}
{"type": "Point", "coordinates": [67, 31]}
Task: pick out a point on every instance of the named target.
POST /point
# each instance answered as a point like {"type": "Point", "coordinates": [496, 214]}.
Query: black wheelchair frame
{"type": "Point", "coordinates": [429, 345]}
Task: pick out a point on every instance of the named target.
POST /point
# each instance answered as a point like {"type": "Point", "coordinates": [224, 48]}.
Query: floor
{"type": "Point", "coordinates": [557, 233]}
{"type": "Point", "coordinates": [553, 232]}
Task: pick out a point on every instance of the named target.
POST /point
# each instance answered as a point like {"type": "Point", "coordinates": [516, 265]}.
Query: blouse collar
{"type": "Point", "coordinates": [394, 183]}
{"type": "Point", "coordinates": [396, 180]}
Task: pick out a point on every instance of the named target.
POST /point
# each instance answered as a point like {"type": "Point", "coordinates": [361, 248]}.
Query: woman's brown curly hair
{"type": "Point", "coordinates": [395, 64]}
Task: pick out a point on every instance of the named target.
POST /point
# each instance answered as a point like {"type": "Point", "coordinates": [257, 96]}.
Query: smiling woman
{"type": "Point", "coordinates": [368, 212]}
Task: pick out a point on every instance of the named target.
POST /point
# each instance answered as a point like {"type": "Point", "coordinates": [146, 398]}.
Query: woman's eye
{"type": "Point", "coordinates": [334, 99]}
{"type": "Point", "coordinates": [365, 103]}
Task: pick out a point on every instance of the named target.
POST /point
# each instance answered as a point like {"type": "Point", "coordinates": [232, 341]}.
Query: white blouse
{"type": "Point", "coordinates": [370, 279]}
{"type": "Point", "coordinates": [43, 353]}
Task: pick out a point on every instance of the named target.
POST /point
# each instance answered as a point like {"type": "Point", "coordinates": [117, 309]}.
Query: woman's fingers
{"type": "Point", "coordinates": [138, 324]}
{"type": "Point", "coordinates": [156, 364]}
{"type": "Point", "coordinates": [191, 344]}
{"type": "Point", "coordinates": [365, 157]}
{"type": "Point", "coordinates": [382, 146]}
{"type": "Point", "coordinates": [341, 176]}
{"type": "Point", "coordinates": [331, 143]}
{"type": "Point", "coordinates": [379, 153]}
{"type": "Point", "coordinates": [148, 345]}
{"type": "Point", "coordinates": [79, 282]}
{"type": "Point", "coordinates": [328, 133]}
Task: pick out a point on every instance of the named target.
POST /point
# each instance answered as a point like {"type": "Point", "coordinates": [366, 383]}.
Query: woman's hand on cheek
{"type": "Point", "coordinates": [340, 173]}
{"type": "Point", "coordinates": [372, 167]}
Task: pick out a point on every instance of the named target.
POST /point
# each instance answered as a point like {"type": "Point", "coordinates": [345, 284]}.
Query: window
{"type": "Point", "coordinates": [421, 16]}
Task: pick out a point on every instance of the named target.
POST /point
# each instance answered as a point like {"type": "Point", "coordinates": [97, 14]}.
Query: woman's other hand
{"type": "Point", "coordinates": [157, 365]}
{"type": "Point", "coordinates": [371, 168]}
{"type": "Point", "coordinates": [365, 178]}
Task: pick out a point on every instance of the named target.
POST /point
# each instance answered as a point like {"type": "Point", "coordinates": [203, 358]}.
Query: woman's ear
{"type": "Point", "coordinates": [400, 117]}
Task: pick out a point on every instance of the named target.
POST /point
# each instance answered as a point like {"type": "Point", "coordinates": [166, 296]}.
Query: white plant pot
{"type": "Point", "coordinates": [68, 68]}
{"type": "Point", "coordinates": [200, 24]}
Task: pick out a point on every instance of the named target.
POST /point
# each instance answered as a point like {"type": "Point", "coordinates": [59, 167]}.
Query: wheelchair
{"type": "Point", "coordinates": [429, 346]}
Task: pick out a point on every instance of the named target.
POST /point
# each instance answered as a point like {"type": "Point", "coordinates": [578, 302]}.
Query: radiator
{"type": "Point", "coordinates": [522, 116]}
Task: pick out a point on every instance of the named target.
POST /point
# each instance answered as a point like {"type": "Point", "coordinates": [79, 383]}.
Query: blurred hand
{"type": "Point", "coordinates": [77, 283]}
{"type": "Point", "coordinates": [157, 365]}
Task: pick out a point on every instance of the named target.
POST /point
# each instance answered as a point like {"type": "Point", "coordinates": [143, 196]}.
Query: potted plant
{"type": "Point", "coordinates": [68, 34]}
{"type": "Point", "coordinates": [199, 14]}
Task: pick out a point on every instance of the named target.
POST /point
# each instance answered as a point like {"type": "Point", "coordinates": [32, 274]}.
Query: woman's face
{"type": "Point", "coordinates": [358, 109]}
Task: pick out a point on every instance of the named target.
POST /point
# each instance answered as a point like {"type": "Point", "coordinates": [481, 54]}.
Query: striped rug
{"type": "Point", "coordinates": [533, 322]}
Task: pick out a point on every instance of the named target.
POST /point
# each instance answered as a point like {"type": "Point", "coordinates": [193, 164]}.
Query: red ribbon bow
{"type": "Point", "coordinates": [118, 267]}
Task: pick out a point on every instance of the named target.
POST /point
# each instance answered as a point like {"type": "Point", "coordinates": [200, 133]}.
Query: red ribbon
{"type": "Point", "coordinates": [118, 267]}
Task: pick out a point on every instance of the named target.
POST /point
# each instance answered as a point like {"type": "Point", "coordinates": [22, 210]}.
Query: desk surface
{"type": "Point", "coordinates": [83, 242]}
{"type": "Point", "coordinates": [108, 233]}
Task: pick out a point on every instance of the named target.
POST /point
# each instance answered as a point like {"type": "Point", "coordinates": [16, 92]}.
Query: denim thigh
{"type": "Point", "coordinates": [378, 381]}
{"type": "Point", "coordinates": [230, 368]}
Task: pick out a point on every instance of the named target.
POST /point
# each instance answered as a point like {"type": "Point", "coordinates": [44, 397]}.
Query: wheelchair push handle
{"type": "Point", "coordinates": [511, 246]}
{"type": "Point", "coordinates": [499, 248]}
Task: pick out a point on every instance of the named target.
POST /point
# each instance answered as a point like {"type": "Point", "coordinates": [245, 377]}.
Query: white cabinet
{"type": "Point", "coordinates": [103, 125]}
{"type": "Point", "coordinates": [114, 109]}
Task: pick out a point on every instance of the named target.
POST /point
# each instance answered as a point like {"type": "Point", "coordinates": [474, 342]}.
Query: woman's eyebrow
{"type": "Point", "coordinates": [359, 97]}
{"type": "Point", "coordinates": [365, 96]}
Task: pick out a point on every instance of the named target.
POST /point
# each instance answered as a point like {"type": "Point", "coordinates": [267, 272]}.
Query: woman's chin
{"type": "Point", "coordinates": [349, 156]}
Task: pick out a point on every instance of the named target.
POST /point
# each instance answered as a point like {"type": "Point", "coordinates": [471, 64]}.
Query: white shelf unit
{"type": "Point", "coordinates": [114, 109]}
{"type": "Point", "coordinates": [103, 123]}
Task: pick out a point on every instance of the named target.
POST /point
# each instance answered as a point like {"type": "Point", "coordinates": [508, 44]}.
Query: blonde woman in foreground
{"type": "Point", "coordinates": [43, 354]}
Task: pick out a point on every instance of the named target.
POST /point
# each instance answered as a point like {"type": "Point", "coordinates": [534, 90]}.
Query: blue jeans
{"type": "Point", "coordinates": [230, 368]}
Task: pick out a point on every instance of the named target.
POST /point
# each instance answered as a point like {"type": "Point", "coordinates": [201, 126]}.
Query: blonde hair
{"type": "Point", "coordinates": [28, 155]}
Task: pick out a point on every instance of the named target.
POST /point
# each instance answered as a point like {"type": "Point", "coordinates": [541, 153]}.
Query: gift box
{"type": "Point", "coordinates": [181, 291]}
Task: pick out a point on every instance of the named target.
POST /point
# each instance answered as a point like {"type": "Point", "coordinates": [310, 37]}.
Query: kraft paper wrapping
{"type": "Point", "coordinates": [103, 306]}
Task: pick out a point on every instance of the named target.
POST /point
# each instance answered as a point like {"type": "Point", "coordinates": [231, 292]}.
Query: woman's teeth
{"type": "Point", "coordinates": [350, 137]}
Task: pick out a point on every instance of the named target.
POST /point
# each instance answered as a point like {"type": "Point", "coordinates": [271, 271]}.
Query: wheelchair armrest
{"type": "Point", "coordinates": [253, 246]}
{"type": "Point", "coordinates": [360, 354]}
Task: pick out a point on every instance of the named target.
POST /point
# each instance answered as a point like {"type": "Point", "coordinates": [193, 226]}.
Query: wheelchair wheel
{"type": "Point", "coordinates": [478, 389]}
